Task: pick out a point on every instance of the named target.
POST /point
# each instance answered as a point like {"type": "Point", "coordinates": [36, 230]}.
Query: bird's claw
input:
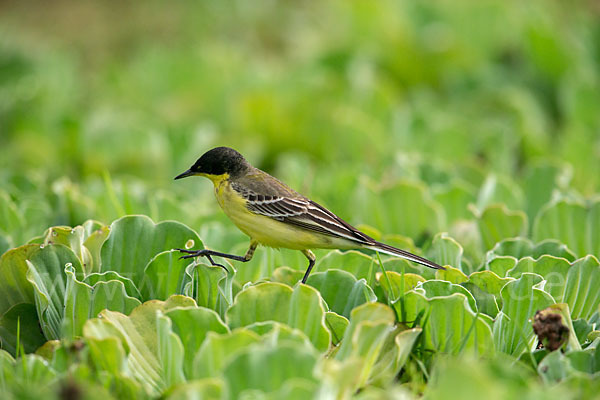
{"type": "Point", "coordinates": [200, 253]}
{"type": "Point", "coordinates": [196, 253]}
{"type": "Point", "coordinates": [214, 264]}
{"type": "Point", "coordinates": [191, 253]}
{"type": "Point", "coordinates": [222, 266]}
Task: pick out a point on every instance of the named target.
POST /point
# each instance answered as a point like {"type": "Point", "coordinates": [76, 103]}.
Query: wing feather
{"type": "Point", "coordinates": [301, 212]}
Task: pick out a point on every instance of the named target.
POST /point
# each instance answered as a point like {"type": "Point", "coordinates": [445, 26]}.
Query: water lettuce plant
{"type": "Point", "coordinates": [118, 302]}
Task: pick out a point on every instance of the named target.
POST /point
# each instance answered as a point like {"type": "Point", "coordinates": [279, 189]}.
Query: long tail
{"type": "Point", "coordinates": [387, 249]}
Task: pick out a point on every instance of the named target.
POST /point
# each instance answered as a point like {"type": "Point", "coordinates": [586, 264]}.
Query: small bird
{"type": "Point", "coordinates": [272, 214]}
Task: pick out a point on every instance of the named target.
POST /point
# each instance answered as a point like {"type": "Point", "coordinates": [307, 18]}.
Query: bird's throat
{"type": "Point", "coordinates": [217, 180]}
{"type": "Point", "coordinates": [220, 182]}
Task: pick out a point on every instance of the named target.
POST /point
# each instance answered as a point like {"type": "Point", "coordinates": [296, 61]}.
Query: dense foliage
{"type": "Point", "coordinates": [467, 132]}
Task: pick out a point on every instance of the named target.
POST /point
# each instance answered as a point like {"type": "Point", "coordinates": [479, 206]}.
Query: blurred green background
{"type": "Point", "coordinates": [102, 103]}
{"type": "Point", "coordinates": [408, 118]}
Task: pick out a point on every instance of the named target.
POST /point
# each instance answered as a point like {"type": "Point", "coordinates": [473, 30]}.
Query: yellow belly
{"type": "Point", "coordinates": [268, 231]}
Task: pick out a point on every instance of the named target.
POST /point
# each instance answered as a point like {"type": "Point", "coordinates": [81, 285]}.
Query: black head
{"type": "Point", "coordinates": [218, 161]}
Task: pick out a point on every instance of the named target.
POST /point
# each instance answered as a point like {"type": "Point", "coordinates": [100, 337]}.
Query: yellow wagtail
{"type": "Point", "coordinates": [274, 215]}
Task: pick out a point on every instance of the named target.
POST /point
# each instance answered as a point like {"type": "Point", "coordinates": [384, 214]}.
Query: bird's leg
{"type": "Point", "coordinates": [311, 263]}
{"type": "Point", "coordinates": [209, 253]}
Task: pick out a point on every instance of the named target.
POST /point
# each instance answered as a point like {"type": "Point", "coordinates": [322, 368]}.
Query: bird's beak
{"type": "Point", "coordinates": [187, 173]}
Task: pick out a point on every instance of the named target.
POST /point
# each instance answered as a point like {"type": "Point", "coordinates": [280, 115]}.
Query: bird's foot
{"type": "Point", "coordinates": [200, 253]}
{"type": "Point", "coordinates": [193, 253]}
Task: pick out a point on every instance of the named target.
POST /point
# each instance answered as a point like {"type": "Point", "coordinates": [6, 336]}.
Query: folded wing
{"type": "Point", "coordinates": [302, 212]}
{"type": "Point", "coordinates": [305, 213]}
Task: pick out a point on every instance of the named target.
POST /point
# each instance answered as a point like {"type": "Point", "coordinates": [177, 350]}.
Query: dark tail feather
{"type": "Point", "coordinates": [387, 249]}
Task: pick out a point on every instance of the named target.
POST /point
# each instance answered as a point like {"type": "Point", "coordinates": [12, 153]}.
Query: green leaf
{"type": "Point", "coordinates": [14, 286]}
{"type": "Point", "coordinates": [554, 270]}
{"type": "Point", "coordinates": [576, 284]}
{"type": "Point", "coordinates": [451, 274]}
{"type": "Point", "coordinates": [555, 367]}
{"type": "Point", "coordinates": [521, 300]}
{"type": "Point", "coordinates": [372, 313]}
{"type": "Point", "coordinates": [583, 361]}
{"type": "Point", "coordinates": [372, 392]}
{"type": "Point", "coordinates": [217, 349]}
{"type": "Point", "coordinates": [277, 332]}
{"type": "Point", "coordinates": [292, 389]}
{"type": "Point", "coordinates": [94, 241]}
{"type": "Point", "coordinates": [497, 222]}
{"type": "Point", "coordinates": [164, 275]}
{"type": "Point", "coordinates": [486, 302]}
{"type": "Point", "coordinates": [266, 369]}
{"type": "Point", "coordinates": [582, 289]}
{"type": "Point", "coordinates": [85, 300]}
{"type": "Point", "coordinates": [394, 355]}
{"type": "Point", "coordinates": [21, 318]}
{"type": "Point", "coordinates": [337, 326]}
{"type": "Point", "coordinates": [47, 275]}
{"type": "Point", "coordinates": [522, 247]}
{"type": "Point", "coordinates": [95, 277]}
{"type": "Point", "coordinates": [210, 286]}
{"type": "Point", "coordinates": [582, 329]}
{"type": "Point", "coordinates": [205, 389]}
{"type": "Point", "coordinates": [170, 352]}
{"type": "Point", "coordinates": [134, 240]}
{"type": "Point", "coordinates": [299, 308]}
{"type": "Point", "coordinates": [192, 324]}
{"type": "Point", "coordinates": [574, 224]}
{"type": "Point", "coordinates": [139, 335]}
{"type": "Point", "coordinates": [445, 251]}
{"type": "Point", "coordinates": [489, 281]}
{"type": "Point", "coordinates": [449, 325]}
{"type": "Point", "coordinates": [373, 350]}
{"type": "Point", "coordinates": [371, 325]}
{"type": "Point", "coordinates": [49, 349]}
{"type": "Point", "coordinates": [73, 238]}
{"type": "Point", "coordinates": [29, 376]}
{"type": "Point", "coordinates": [287, 276]}
{"type": "Point", "coordinates": [474, 377]}
{"type": "Point", "coordinates": [435, 288]}
{"type": "Point", "coordinates": [593, 335]}
{"type": "Point", "coordinates": [500, 265]}
{"type": "Point", "coordinates": [395, 284]}
{"type": "Point", "coordinates": [485, 286]}
{"type": "Point", "coordinates": [107, 354]}
{"type": "Point", "coordinates": [341, 290]}
{"type": "Point", "coordinates": [357, 263]}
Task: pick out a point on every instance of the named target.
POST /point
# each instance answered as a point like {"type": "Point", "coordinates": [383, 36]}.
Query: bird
{"type": "Point", "coordinates": [274, 215]}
